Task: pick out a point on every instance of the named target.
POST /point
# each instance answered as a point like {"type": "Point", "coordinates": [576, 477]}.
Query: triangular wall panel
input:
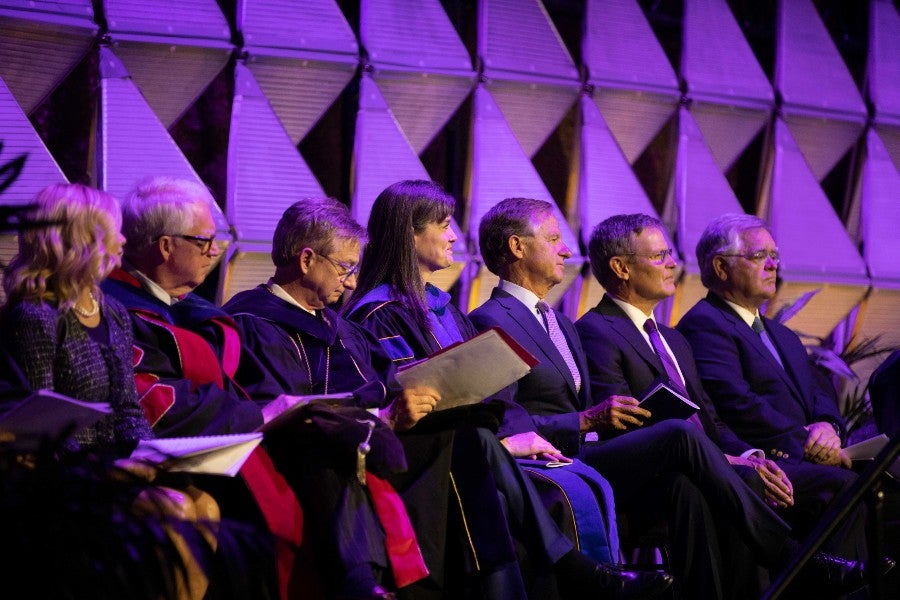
{"type": "Point", "coordinates": [883, 73]}
{"type": "Point", "coordinates": [39, 49]}
{"type": "Point", "coordinates": [821, 103]}
{"type": "Point", "coordinates": [528, 70]}
{"type": "Point", "coordinates": [636, 87]}
{"type": "Point", "coordinates": [699, 194]}
{"type": "Point", "coordinates": [730, 95]}
{"type": "Point", "coordinates": [879, 211]}
{"type": "Point", "coordinates": [382, 156]}
{"type": "Point", "coordinates": [302, 55]}
{"type": "Point", "coordinates": [815, 248]}
{"type": "Point", "coordinates": [500, 169]}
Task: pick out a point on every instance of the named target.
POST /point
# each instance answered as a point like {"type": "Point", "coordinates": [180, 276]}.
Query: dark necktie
{"type": "Point", "coordinates": [759, 328]}
{"type": "Point", "coordinates": [559, 340]}
{"type": "Point", "coordinates": [669, 365]}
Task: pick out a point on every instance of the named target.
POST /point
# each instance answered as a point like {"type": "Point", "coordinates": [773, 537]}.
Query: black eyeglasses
{"type": "Point", "coordinates": [344, 271]}
{"type": "Point", "coordinates": [759, 256]}
{"type": "Point", "coordinates": [203, 242]}
{"type": "Point", "coordinates": [656, 258]}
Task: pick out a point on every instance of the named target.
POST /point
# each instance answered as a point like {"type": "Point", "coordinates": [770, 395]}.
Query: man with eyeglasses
{"type": "Point", "coordinates": [758, 373]}
{"type": "Point", "coordinates": [671, 471]}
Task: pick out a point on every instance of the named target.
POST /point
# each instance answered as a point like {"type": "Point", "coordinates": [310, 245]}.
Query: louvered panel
{"type": "Point", "coordinates": [300, 89]}
{"type": "Point", "coordinates": [382, 156]}
{"type": "Point", "coordinates": [690, 290]}
{"type": "Point", "coordinates": [716, 58]}
{"type": "Point", "coordinates": [72, 11]}
{"type": "Point", "coordinates": [728, 129]}
{"type": "Point", "coordinates": [268, 174]}
{"type": "Point", "coordinates": [635, 117]}
{"type": "Point", "coordinates": [533, 109]}
{"type": "Point", "coordinates": [171, 76]}
{"type": "Point", "coordinates": [878, 317]}
{"type": "Point", "coordinates": [883, 73]}
{"type": "Point", "coordinates": [879, 210]}
{"type": "Point", "coordinates": [18, 137]}
{"type": "Point", "coordinates": [620, 50]}
{"type": "Point", "coordinates": [813, 242]}
{"type": "Point", "coordinates": [180, 18]}
{"type": "Point", "coordinates": [9, 246]}
{"type": "Point", "coordinates": [824, 311]}
{"type": "Point", "coordinates": [517, 36]}
{"type": "Point", "coordinates": [501, 169]}
{"type": "Point", "coordinates": [890, 136]}
{"type": "Point", "coordinates": [421, 102]}
{"type": "Point", "coordinates": [133, 143]}
{"type": "Point", "coordinates": [730, 93]}
{"type": "Point", "coordinates": [823, 141]}
{"type": "Point", "coordinates": [607, 186]}
{"type": "Point", "coordinates": [430, 43]}
{"type": "Point", "coordinates": [311, 25]}
{"type": "Point", "coordinates": [699, 193]}
{"type": "Point", "coordinates": [245, 271]}
{"type": "Point", "coordinates": [37, 55]}
{"type": "Point", "coordinates": [821, 104]}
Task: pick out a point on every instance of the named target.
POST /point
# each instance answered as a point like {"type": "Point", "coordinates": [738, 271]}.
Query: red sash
{"type": "Point", "coordinates": [402, 547]}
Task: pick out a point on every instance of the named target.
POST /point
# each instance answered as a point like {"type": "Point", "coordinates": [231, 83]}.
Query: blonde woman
{"type": "Point", "coordinates": [64, 334]}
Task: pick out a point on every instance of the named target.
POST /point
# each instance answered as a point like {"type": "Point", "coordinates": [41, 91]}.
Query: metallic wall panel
{"type": "Point", "coordinates": [246, 270]}
{"type": "Point", "coordinates": [824, 311]}
{"type": "Point", "coordinates": [382, 156]}
{"type": "Point", "coordinates": [429, 42]}
{"type": "Point", "coordinates": [71, 11]}
{"type": "Point", "coordinates": [317, 25]}
{"type": "Point", "coordinates": [730, 92]}
{"type": "Point", "coordinates": [814, 244]}
{"type": "Point", "coordinates": [879, 211]}
{"type": "Point", "coordinates": [179, 18]}
{"type": "Point", "coordinates": [533, 109]}
{"type": "Point", "coordinates": [300, 89]}
{"type": "Point", "coordinates": [820, 99]}
{"type": "Point", "coordinates": [171, 76]}
{"type": "Point", "coordinates": [517, 36]}
{"type": "Point", "coordinates": [267, 173]}
{"type": "Point", "coordinates": [699, 192]}
{"type": "Point", "coordinates": [18, 137]}
{"type": "Point", "coordinates": [422, 102]}
{"type": "Point", "coordinates": [634, 116]}
{"type": "Point", "coordinates": [36, 55]}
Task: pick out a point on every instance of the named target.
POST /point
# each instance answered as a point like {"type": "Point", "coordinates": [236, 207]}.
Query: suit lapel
{"type": "Point", "coordinates": [753, 340]}
{"type": "Point", "coordinates": [520, 315]}
{"type": "Point", "coordinates": [620, 322]}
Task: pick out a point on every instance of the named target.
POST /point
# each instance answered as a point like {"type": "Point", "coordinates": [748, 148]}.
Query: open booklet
{"type": "Point", "coordinates": [467, 372]}
{"type": "Point", "coordinates": [212, 455]}
{"type": "Point", "coordinates": [46, 414]}
{"type": "Point", "coordinates": [869, 449]}
{"type": "Point", "coordinates": [664, 402]}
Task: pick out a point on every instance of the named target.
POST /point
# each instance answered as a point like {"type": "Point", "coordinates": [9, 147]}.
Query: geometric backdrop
{"type": "Point", "coordinates": [789, 109]}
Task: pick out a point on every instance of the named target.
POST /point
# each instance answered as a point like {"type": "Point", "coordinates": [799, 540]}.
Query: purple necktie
{"type": "Point", "coordinates": [559, 340]}
{"type": "Point", "coordinates": [669, 365]}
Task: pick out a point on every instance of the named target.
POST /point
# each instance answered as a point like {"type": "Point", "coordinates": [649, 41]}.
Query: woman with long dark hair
{"type": "Point", "coordinates": [410, 239]}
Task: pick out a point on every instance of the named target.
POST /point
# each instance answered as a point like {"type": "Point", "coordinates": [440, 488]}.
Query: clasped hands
{"type": "Point", "coordinates": [823, 446]}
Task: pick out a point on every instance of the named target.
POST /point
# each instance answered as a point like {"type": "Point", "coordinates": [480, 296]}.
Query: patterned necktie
{"type": "Point", "coordinates": [759, 328]}
{"type": "Point", "coordinates": [664, 357]}
{"type": "Point", "coordinates": [668, 363]}
{"type": "Point", "coordinates": [559, 340]}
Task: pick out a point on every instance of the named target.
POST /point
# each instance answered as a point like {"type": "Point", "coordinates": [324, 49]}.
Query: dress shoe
{"type": "Point", "coordinates": [830, 574]}
{"type": "Point", "coordinates": [581, 577]}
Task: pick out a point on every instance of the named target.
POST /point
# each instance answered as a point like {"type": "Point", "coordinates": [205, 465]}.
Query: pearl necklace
{"type": "Point", "coordinates": [87, 314]}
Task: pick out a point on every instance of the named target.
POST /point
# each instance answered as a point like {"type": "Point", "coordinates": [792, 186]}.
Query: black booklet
{"type": "Point", "coordinates": [664, 402]}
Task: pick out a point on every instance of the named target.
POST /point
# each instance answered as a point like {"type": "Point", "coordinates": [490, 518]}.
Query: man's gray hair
{"type": "Point", "coordinates": [615, 237]}
{"type": "Point", "coordinates": [313, 223]}
{"type": "Point", "coordinates": [158, 206]}
{"type": "Point", "coordinates": [723, 236]}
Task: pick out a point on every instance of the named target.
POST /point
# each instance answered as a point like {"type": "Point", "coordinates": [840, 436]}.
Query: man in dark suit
{"type": "Point", "coordinates": [670, 470]}
{"type": "Point", "coordinates": [758, 374]}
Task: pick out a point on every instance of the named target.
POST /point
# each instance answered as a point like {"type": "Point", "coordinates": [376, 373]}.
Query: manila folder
{"type": "Point", "coordinates": [470, 371]}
